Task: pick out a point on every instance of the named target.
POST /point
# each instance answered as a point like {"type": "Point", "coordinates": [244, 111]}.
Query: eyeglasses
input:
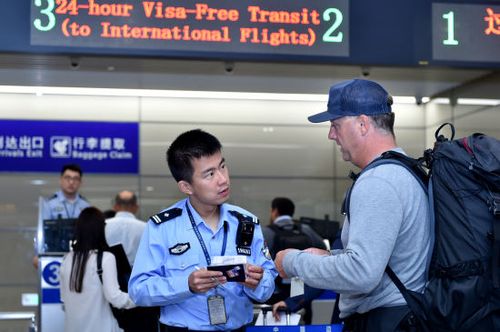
{"type": "Point", "coordinates": [72, 178]}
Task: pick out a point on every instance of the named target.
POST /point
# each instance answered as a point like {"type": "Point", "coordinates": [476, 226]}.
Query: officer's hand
{"type": "Point", "coordinates": [254, 274]}
{"type": "Point", "coordinates": [276, 306]}
{"type": "Point", "coordinates": [316, 251]}
{"type": "Point", "coordinates": [200, 281]}
{"type": "Point", "coordinates": [278, 261]}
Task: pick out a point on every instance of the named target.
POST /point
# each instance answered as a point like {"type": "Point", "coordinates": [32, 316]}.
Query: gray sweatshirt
{"type": "Point", "coordinates": [390, 224]}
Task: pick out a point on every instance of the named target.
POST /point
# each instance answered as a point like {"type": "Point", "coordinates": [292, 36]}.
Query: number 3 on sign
{"type": "Point", "coordinates": [46, 11]}
{"type": "Point", "coordinates": [337, 21]}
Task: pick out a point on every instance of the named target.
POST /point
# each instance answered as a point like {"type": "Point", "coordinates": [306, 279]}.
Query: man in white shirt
{"type": "Point", "coordinates": [123, 234]}
{"type": "Point", "coordinates": [124, 228]}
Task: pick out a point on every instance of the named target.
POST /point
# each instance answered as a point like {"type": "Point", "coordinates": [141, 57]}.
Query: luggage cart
{"type": "Point", "coordinates": [265, 324]}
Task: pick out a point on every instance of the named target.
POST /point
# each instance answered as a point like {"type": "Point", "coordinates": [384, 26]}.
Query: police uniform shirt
{"type": "Point", "coordinates": [59, 207]}
{"type": "Point", "coordinates": [170, 251]}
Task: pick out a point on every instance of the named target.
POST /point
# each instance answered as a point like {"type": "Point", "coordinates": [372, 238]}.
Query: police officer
{"type": "Point", "coordinates": [66, 202]}
{"type": "Point", "coordinates": [179, 243]}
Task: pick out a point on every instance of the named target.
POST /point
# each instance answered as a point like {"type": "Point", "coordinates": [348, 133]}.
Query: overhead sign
{"type": "Point", "coordinates": [462, 32]}
{"type": "Point", "coordinates": [300, 27]}
{"type": "Point", "coordinates": [44, 146]}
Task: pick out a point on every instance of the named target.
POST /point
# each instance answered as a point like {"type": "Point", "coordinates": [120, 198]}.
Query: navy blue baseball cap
{"type": "Point", "coordinates": [352, 98]}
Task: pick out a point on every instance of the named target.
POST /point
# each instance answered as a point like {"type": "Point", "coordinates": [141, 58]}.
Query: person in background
{"type": "Point", "coordinates": [87, 298]}
{"type": "Point", "coordinates": [123, 234]}
{"type": "Point", "coordinates": [67, 202]}
{"type": "Point", "coordinates": [282, 211]}
{"type": "Point", "coordinates": [387, 218]}
{"type": "Point", "coordinates": [181, 241]}
{"type": "Point", "coordinates": [124, 228]}
{"type": "Point", "coordinates": [283, 232]}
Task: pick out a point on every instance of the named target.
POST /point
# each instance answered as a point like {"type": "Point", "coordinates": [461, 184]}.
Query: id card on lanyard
{"type": "Point", "coordinates": [216, 303]}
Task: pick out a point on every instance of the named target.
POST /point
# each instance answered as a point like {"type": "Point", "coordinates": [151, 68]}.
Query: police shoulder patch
{"type": "Point", "coordinates": [166, 215]}
{"type": "Point", "coordinates": [241, 217]}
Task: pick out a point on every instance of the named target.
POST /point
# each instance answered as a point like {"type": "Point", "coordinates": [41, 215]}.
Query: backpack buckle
{"type": "Point", "coordinates": [495, 208]}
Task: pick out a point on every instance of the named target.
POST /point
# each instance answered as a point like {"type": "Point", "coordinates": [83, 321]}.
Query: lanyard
{"type": "Point", "coordinates": [200, 239]}
{"type": "Point", "coordinates": [67, 212]}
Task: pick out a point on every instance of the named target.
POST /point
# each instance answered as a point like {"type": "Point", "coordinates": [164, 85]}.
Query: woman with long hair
{"type": "Point", "coordinates": [86, 298]}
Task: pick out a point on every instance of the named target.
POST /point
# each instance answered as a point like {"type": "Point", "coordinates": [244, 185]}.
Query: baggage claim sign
{"type": "Point", "coordinates": [299, 27]}
{"type": "Point", "coordinates": [44, 146]}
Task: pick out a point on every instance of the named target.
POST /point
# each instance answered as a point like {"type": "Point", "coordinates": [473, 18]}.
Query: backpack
{"type": "Point", "coordinates": [289, 237]}
{"type": "Point", "coordinates": [123, 271]}
{"type": "Point", "coordinates": [462, 179]}
{"type": "Point", "coordinates": [143, 319]}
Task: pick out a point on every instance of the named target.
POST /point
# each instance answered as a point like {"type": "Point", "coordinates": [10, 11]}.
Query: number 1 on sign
{"type": "Point", "coordinates": [450, 18]}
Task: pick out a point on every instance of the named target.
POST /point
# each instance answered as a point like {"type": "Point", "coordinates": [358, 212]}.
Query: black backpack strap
{"type": "Point", "coordinates": [99, 264]}
{"type": "Point", "coordinates": [399, 285]}
{"type": "Point", "coordinates": [414, 166]}
{"type": "Point", "coordinates": [123, 268]}
{"type": "Point", "coordinates": [496, 253]}
{"type": "Point", "coordinates": [414, 304]}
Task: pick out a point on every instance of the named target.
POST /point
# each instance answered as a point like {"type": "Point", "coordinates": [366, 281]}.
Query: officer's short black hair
{"type": "Point", "coordinates": [190, 145]}
{"type": "Point", "coordinates": [284, 206]}
{"type": "Point", "coordinates": [72, 167]}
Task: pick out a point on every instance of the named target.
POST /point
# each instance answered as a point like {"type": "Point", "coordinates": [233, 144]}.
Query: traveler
{"type": "Point", "coordinates": [300, 236]}
{"type": "Point", "coordinates": [179, 243]}
{"type": "Point", "coordinates": [123, 234]}
{"type": "Point", "coordinates": [283, 233]}
{"type": "Point", "coordinates": [86, 298]}
{"type": "Point", "coordinates": [124, 228]}
{"type": "Point", "coordinates": [389, 223]}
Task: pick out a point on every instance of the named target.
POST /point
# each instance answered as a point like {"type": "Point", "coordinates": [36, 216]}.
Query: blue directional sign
{"type": "Point", "coordinates": [44, 146]}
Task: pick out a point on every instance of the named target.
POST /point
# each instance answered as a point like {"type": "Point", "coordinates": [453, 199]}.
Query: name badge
{"type": "Point", "coordinates": [217, 310]}
{"type": "Point", "coordinates": [244, 251]}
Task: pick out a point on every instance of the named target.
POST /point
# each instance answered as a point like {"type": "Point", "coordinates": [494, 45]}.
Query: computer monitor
{"type": "Point", "coordinates": [57, 235]}
{"type": "Point", "coordinates": [327, 229]}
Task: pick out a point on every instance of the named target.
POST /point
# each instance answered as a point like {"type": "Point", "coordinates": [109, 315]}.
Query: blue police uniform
{"type": "Point", "coordinates": [58, 207]}
{"type": "Point", "coordinates": [170, 251]}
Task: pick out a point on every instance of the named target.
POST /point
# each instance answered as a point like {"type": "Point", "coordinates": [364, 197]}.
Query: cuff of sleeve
{"type": "Point", "coordinates": [182, 288]}
{"type": "Point", "coordinates": [288, 263]}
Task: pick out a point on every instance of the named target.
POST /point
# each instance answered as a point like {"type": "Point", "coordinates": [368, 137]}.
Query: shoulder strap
{"type": "Point", "coordinates": [414, 166]}
{"type": "Point", "coordinates": [242, 217]}
{"type": "Point", "coordinates": [99, 264]}
{"type": "Point", "coordinates": [415, 302]}
{"type": "Point", "coordinates": [294, 227]}
{"type": "Point", "coordinates": [166, 215]}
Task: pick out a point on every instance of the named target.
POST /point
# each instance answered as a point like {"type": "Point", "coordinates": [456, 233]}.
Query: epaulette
{"type": "Point", "coordinates": [241, 217]}
{"type": "Point", "coordinates": [166, 215]}
{"type": "Point", "coordinates": [85, 199]}
{"type": "Point", "coordinates": [52, 197]}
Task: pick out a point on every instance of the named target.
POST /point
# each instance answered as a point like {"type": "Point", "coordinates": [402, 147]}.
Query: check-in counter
{"type": "Point", "coordinates": [52, 242]}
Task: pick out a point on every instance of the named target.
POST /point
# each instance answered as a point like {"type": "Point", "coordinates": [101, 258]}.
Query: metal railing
{"type": "Point", "coordinates": [20, 315]}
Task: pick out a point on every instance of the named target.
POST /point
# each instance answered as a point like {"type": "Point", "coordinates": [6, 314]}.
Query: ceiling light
{"type": "Point", "coordinates": [441, 101]}
{"type": "Point", "coordinates": [38, 182]}
{"type": "Point", "coordinates": [404, 100]}
{"type": "Point", "coordinates": [478, 101]}
{"type": "Point", "coordinates": [111, 92]}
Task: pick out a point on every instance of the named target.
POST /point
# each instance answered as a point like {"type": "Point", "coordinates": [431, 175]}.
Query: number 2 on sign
{"type": "Point", "coordinates": [337, 21]}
